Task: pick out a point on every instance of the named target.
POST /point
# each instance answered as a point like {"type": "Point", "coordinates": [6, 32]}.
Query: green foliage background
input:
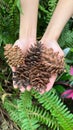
{"type": "Point", "coordinates": [32, 111]}
{"type": "Point", "coordinates": [9, 21]}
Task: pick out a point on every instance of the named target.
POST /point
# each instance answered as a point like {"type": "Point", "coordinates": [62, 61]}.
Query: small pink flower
{"type": "Point", "coordinates": [67, 94]}
{"type": "Point", "coordinates": [71, 70]}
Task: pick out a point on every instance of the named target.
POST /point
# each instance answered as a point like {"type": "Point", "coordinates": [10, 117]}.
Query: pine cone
{"type": "Point", "coordinates": [43, 63]}
{"type": "Point", "coordinates": [33, 55]}
{"type": "Point", "coordinates": [21, 76]}
{"type": "Point", "coordinates": [53, 61]}
{"type": "Point", "coordinates": [39, 77]}
{"type": "Point", "coordinates": [13, 55]}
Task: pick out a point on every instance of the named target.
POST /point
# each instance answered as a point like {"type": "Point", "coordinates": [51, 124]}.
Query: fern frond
{"type": "Point", "coordinates": [18, 111]}
{"type": "Point", "coordinates": [9, 21]}
{"type": "Point", "coordinates": [28, 123]}
{"type": "Point", "coordinates": [51, 102]}
{"type": "Point", "coordinates": [66, 38]}
{"type": "Point", "coordinates": [53, 113]}
{"type": "Point", "coordinates": [51, 7]}
{"type": "Point", "coordinates": [28, 116]}
{"type": "Point", "coordinates": [13, 111]}
{"type": "Point", "coordinates": [44, 117]}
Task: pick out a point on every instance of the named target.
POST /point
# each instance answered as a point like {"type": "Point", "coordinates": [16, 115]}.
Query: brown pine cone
{"type": "Point", "coordinates": [13, 55]}
{"type": "Point", "coordinates": [21, 76]}
{"type": "Point", "coordinates": [33, 56]}
{"type": "Point", "coordinates": [46, 63]}
{"type": "Point", "coordinates": [39, 77]}
{"type": "Point", "coordinates": [53, 61]}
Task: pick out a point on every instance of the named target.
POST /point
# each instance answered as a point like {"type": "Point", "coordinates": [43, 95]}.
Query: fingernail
{"type": "Point", "coordinates": [13, 69]}
{"type": "Point", "coordinates": [22, 89]}
{"type": "Point", "coordinates": [15, 86]}
{"type": "Point", "coordinates": [28, 87]}
{"type": "Point", "coordinates": [42, 92]}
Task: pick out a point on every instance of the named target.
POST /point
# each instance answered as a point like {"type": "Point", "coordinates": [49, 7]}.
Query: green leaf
{"type": "Point", "coordinates": [59, 88]}
{"type": "Point", "coordinates": [18, 5]}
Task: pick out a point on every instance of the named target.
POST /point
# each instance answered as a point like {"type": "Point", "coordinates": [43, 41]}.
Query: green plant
{"type": "Point", "coordinates": [9, 17]}
{"type": "Point", "coordinates": [66, 38]}
{"type": "Point", "coordinates": [46, 9]}
{"type": "Point", "coordinates": [47, 109]}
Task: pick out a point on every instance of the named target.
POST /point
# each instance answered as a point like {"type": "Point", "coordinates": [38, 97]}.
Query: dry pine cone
{"type": "Point", "coordinates": [43, 63]}
{"type": "Point", "coordinates": [33, 55]}
{"type": "Point", "coordinates": [52, 60]}
{"type": "Point", "coordinates": [21, 76]}
{"type": "Point", "coordinates": [13, 55]}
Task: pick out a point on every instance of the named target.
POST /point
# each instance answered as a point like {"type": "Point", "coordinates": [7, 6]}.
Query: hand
{"type": "Point", "coordinates": [52, 44]}
{"type": "Point", "coordinates": [24, 46]}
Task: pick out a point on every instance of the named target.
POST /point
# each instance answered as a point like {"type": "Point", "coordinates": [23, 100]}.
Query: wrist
{"type": "Point", "coordinates": [52, 43]}
{"type": "Point", "coordinates": [50, 36]}
{"type": "Point", "coordinates": [26, 40]}
{"type": "Point", "coordinates": [28, 34]}
{"type": "Point", "coordinates": [27, 30]}
{"type": "Point", "coordinates": [48, 40]}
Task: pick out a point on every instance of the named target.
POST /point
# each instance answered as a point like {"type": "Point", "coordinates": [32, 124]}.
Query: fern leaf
{"type": "Point", "coordinates": [13, 111]}
{"type": "Point", "coordinates": [66, 38]}
{"type": "Point", "coordinates": [50, 101]}
{"type": "Point", "coordinates": [44, 117]}
{"type": "Point", "coordinates": [18, 112]}
{"type": "Point", "coordinates": [28, 123]}
{"type": "Point", "coordinates": [52, 4]}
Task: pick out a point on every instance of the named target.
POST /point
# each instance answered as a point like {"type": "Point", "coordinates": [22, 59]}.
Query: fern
{"type": "Point", "coordinates": [18, 112]}
{"type": "Point", "coordinates": [51, 7]}
{"type": "Point", "coordinates": [9, 17]}
{"type": "Point", "coordinates": [46, 9]}
{"type": "Point", "coordinates": [44, 117]}
{"type": "Point", "coordinates": [26, 115]}
{"type": "Point", "coordinates": [28, 123]}
{"type": "Point", "coordinates": [37, 113]}
{"type": "Point", "coordinates": [50, 101]}
{"type": "Point", "coordinates": [13, 112]}
{"type": "Point", "coordinates": [29, 116]}
{"type": "Point", "coordinates": [66, 38]}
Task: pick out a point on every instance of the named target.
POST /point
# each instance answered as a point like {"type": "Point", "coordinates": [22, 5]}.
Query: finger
{"type": "Point", "coordinates": [42, 92]}
{"type": "Point", "coordinates": [13, 69]}
{"type": "Point", "coordinates": [29, 87]}
{"type": "Point", "coordinates": [15, 85]}
{"type": "Point", "coordinates": [51, 82]}
{"type": "Point", "coordinates": [22, 89]}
